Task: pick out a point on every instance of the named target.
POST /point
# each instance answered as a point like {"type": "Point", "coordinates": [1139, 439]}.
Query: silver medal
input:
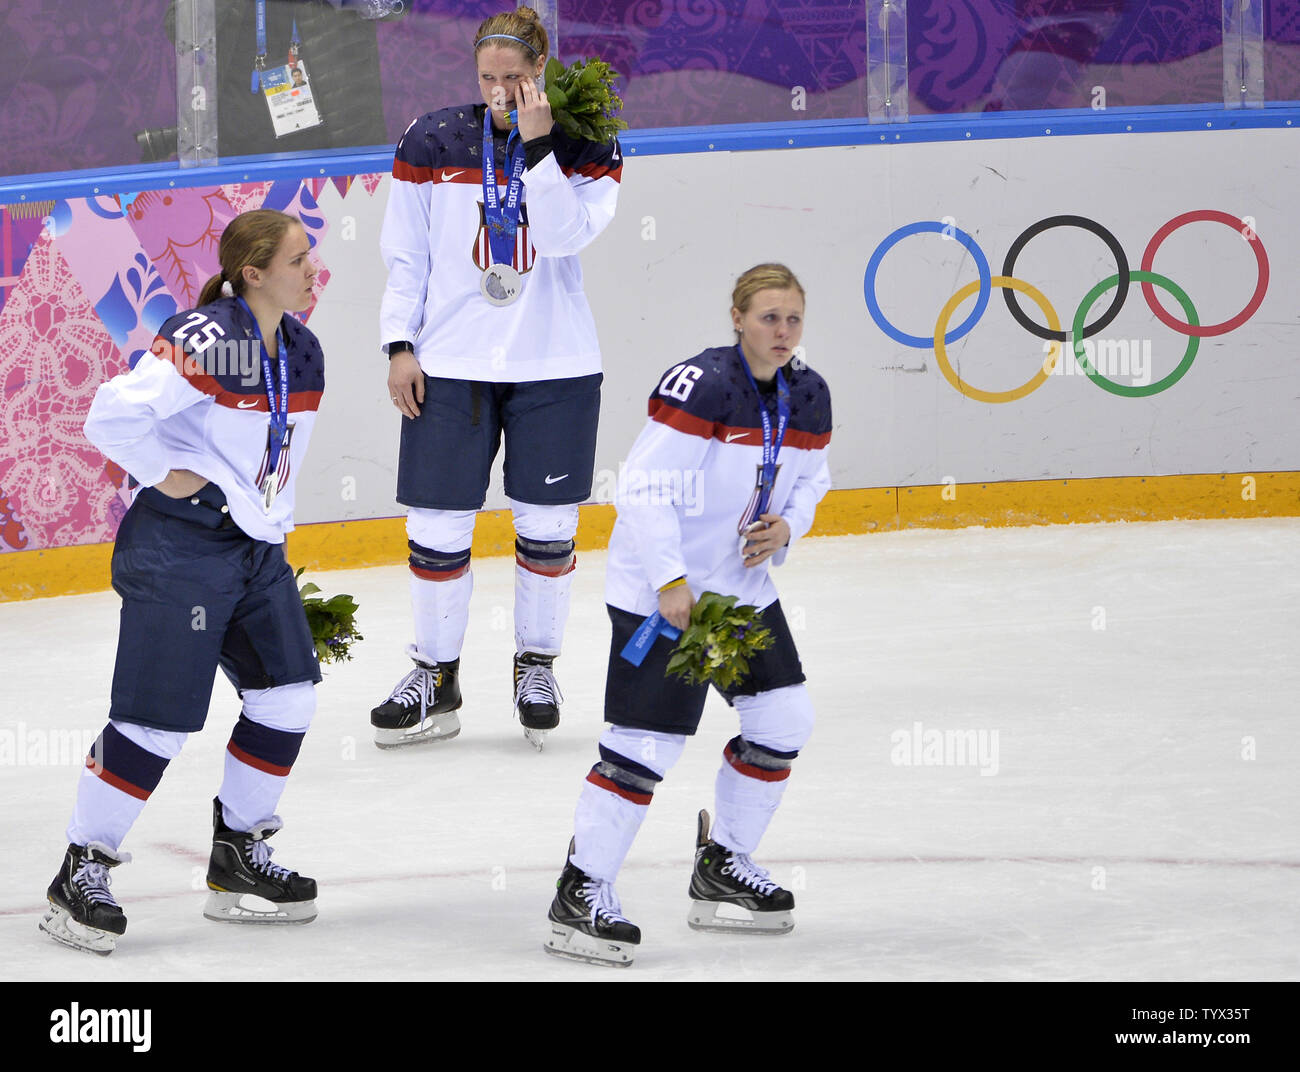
{"type": "Point", "coordinates": [501, 284]}
{"type": "Point", "coordinates": [269, 492]}
{"type": "Point", "coordinates": [753, 526]}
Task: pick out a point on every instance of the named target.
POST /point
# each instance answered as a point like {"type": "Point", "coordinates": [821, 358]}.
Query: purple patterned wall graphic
{"type": "Point", "coordinates": [18, 233]}
{"type": "Point", "coordinates": [55, 354]}
{"type": "Point", "coordinates": [1282, 49]}
{"type": "Point", "coordinates": [86, 286]}
{"type": "Point", "coordinates": [995, 55]}
{"type": "Point", "coordinates": [428, 61]}
{"type": "Point", "coordinates": [74, 90]}
{"type": "Point", "coordinates": [692, 62]}
{"type": "Point", "coordinates": [75, 86]}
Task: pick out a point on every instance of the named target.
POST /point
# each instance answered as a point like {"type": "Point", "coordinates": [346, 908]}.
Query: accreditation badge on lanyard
{"type": "Point", "coordinates": [286, 89]}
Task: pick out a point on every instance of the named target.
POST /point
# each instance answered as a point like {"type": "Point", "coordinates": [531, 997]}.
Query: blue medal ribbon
{"type": "Point", "coordinates": [259, 62]}
{"type": "Point", "coordinates": [636, 649]}
{"type": "Point", "coordinates": [771, 445]}
{"type": "Point", "coordinates": [502, 219]}
{"type": "Point", "coordinates": [279, 414]}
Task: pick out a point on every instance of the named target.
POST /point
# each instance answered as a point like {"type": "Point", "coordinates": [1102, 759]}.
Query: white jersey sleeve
{"type": "Point", "coordinates": [126, 412]}
{"type": "Point", "coordinates": [653, 486]}
{"type": "Point", "coordinates": [404, 246]}
{"type": "Point", "coordinates": [567, 214]}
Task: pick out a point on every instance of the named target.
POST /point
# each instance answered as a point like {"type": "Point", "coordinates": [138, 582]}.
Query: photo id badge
{"type": "Point", "coordinates": [289, 97]}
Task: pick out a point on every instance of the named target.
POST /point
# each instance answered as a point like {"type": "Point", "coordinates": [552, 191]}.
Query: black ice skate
{"type": "Point", "coordinates": [730, 893]}
{"type": "Point", "coordinates": [587, 922]}
{"type": "Point", "coordinates": [422, 707]}
{"type": "Point", "coordinates": [82, 913]}
{"type": "Point", "coordinates": [243, 879]}
{"type": "Point", "coordinates": [537, 696]}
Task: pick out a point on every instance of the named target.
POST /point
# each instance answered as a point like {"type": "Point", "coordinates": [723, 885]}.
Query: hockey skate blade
{"type": "Point", "coordinates": [436, 728]}
{"type": "Point", "coordinates": [222, 907]}
{"type": "Point", "coordinates": [723, 918]}
{"type": "Point", "coordinates": [571, 944]}
{"type": "Point", "coordinates": [537, 738]}
{"type": "Point", "coordinates": [60, 926]}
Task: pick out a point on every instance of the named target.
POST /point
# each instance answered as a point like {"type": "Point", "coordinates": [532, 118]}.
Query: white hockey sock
{"type": "Point", "coordinates": [123, 769]}
{"type": "Point", "coordinates": [746, 797]}
{"type": "Point", "coordinates": [541, 610]}
{"type": "Point", "coordinates": [544, 564]}
{"type": "Point", "coordinates": [617, 795]}
{"type": "Point", "coordinates": [604, 827]}
{"type": "Point", "coordinates": [441, 615]}
{"type": "Point", "coordinates": [263, 747]}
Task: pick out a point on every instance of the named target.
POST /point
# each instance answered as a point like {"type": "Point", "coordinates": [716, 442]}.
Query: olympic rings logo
{"type": "Point", "coordinates": [982, 288]}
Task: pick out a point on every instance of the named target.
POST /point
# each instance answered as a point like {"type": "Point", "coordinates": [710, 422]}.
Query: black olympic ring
{"type": "Point", "coordinates": [1112, 243]}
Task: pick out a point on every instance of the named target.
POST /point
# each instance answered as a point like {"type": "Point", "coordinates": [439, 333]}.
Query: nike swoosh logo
{"type": "Point", "coordinates": [246, 405]}
{"type": "Point", "coordinates": [555, 479]}
{"type": "Point", "coordinates": [735, 435]}
{"type": "Point", "coordinates": [447, 176]}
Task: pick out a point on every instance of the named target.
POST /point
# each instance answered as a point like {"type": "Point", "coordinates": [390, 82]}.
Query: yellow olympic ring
{"type": "Point", "coordinates": [941, 350]}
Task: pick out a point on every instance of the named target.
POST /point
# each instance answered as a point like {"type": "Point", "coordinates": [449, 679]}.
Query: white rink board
{"type": "Point", "coordinates": [659, 282]}
{"type": "Point", "coordinates": [1140, 824]}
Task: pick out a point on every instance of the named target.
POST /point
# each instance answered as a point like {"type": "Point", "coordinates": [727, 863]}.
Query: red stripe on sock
{"type": "Point", "coordinates": [117, 783]}
{"type": "Point", "coordinates": [445, 575]}
{"type": "Point", "coordinates": [602, 782]}
{"type": "Point", "coordinates": [548, 571]}
{"type": "Point", "coordinates": [750, 771]}
{"type": "Point", "coordinates": [257, 764]}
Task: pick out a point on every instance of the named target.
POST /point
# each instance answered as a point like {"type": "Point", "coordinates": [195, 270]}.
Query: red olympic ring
{"type": "Point", "coordinates": [1207, 330]}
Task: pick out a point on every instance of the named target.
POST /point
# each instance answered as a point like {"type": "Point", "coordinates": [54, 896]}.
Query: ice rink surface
{"type": "Point", "coordinates": [1129, 810]}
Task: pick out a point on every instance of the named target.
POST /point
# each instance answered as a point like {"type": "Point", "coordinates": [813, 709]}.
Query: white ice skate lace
{"type": "Point", "coordinates": [537, 685]}
{"type": "Point", "coordinates": [259, 857]}
{"type": "Point", "coordinates": [421, 683]}
{"type": "Point", "coordinates": [92, 880]}
{"type": "Point", "coordinates": [742, 867]}
{"type": "Point", "coordinates": [603, 901]}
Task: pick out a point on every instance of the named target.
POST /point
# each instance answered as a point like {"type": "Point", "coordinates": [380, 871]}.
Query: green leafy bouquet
{"type": "Point", "coordinates": [583, 99]}
{"type": "Point", "coordinates": [717, 645]}
{"type": "Point", "coordinates": [332, 621]}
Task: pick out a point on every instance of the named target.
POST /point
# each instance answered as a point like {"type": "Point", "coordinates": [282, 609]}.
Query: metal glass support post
{"type": "Point", "coordinates": [887, 61]}
{"type": "Point", "coordinates": [1243, 53]}
{"type": "Point", "coordinates": [548, 14]}
{"type": "Point", "coordinates": [196, 82]}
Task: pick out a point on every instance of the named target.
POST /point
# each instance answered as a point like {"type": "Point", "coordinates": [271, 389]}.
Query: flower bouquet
{"type": "Point", "coordinates": [718, 643]}
{"type": "Point", "coordinates": [584, 100]}
{"type": "Point", "coordinates": [332, 621]}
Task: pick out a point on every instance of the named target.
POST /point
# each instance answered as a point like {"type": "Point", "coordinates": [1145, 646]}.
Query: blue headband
{"type": "Point", "coordinates": [488, 37]}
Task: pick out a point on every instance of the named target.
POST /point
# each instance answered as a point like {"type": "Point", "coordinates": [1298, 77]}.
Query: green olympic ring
{"type": "Point", "coordinates": [1193, 341]}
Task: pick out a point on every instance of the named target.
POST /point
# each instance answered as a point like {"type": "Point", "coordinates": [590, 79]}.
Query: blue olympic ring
{"type": "Point", "coordinates": [926, 227]}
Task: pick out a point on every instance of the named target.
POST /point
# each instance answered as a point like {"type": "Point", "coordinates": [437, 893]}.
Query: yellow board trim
{"type": "Point", "coordinates": [61, 571]}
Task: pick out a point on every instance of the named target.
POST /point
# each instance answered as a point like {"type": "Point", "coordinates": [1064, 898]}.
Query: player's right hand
{"type": "Point", "coordinates": [406, 383]}
{"type": "Point", "coordinates": [181, 483]}
{"type": "Point", "coordinates": [675, 606]}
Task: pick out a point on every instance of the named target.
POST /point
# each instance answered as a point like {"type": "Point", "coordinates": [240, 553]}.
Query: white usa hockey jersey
{"type": "Point", "coordinates": [691, 479]}
{"type": "Point", "coordinates": [197, 400]}
{"type": "Point", "coordinates": [434, 243]}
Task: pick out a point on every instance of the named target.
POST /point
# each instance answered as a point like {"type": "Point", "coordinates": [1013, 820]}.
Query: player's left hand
{"type": "Point", "coordinates": [762, 543]}
{"type": "Point", "coordinates": [533, 110]}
